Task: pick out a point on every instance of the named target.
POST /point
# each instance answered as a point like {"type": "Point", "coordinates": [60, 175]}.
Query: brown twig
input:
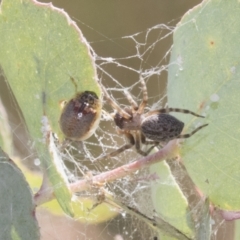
{"type": "Point", "coordinates": [82, 185]}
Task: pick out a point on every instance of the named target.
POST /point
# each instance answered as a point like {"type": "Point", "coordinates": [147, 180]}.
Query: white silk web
{"type": "Point", "coordinates": [136, 55]}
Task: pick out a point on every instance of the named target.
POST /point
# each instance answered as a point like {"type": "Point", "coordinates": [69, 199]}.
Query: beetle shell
{"type": "Point", "coordinates": [161, 127]}
{"type": "Point", "coordinates": [80, 116]}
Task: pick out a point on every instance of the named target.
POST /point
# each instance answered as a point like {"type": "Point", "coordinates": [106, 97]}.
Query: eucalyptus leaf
{"type": "Point", "coordinates": [169, 201]}
{"type": "Point", "coordinates": [17, 208]}
{"type": "Point", "coordinates": [45, 60]}
{"type": "Point", "coordinates": [204, 77]}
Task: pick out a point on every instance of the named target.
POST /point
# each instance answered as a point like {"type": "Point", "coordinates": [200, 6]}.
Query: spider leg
{"type": "Point", "coordinates": [149, 142]}
{"type": "Point", "coordinates": [131, 101]}
{"type": "Point", "coordinates": [190, 134]}
{"type": "Point", "coordinates": [138, 144]}
{"type": "Point", "coordinates": [115, 105]}
{"type": "Point", "coordinates": [140, 138]}
{"type": "Point", "coordinates": [167, 110]}
{"type": "Point", "coordinates": [121, 149]}
{"type": "Point", "coordinates": [145, 96]}
{"type": "Point", "coordinates": [154, 144]}
{"type": "Point", "coordinates": [150, 149]}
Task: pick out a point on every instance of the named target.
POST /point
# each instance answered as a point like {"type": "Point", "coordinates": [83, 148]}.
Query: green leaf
{"type": "Point", "coordinates": [204, 77]}
{"type": "Point", "coordinates": [45, 60]}
{"type": "Point", "coordinates": [17, 219]}
{"type": "Point", "coordinates": [169, 201]}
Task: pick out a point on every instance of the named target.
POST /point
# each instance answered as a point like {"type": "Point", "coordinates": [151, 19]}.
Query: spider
{"type": "Point", "coordinates": [150, 128]}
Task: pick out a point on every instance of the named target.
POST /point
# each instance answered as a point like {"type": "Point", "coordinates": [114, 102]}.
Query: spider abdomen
{"type": "Point", "coordinates": [161, 127]}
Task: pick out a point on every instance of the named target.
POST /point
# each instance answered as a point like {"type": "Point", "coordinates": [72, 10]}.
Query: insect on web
{"type": "Point", "coordinates": [118, 75]}
{"type": "Point", "coordinates": [133, 190]}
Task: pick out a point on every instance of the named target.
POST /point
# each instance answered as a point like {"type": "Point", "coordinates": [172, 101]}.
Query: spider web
{"type": "Point", "coordinates": [133, 190]}
{"type": "Point", "coordinates": [118, 74]}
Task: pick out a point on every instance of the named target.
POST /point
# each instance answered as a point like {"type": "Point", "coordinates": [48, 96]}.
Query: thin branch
{"type": "Point", "coordinates": [85, 184]}
{"type": "Point", "coordinates": [127, 169]}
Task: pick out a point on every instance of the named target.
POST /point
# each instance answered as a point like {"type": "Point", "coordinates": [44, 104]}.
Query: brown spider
{"type": "Point", "coordinates": [154, 127]}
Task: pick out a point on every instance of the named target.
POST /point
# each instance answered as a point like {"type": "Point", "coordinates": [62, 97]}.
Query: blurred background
{"type": "Point", "coordinates": [104, 24]}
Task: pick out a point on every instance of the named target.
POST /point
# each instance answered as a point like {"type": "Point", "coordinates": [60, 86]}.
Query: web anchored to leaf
{"type": "Point", "coordinates": [82, 158]}
{"type": "Point", "coordinates": [142, 197]}
{"type": "Point", "coordinates": [86, 166]}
